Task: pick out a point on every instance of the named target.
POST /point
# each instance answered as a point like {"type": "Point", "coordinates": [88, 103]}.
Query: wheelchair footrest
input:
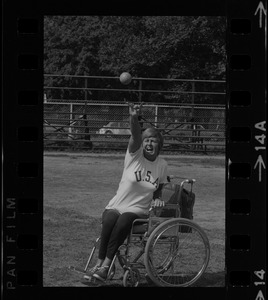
{"type": "Point", "coordinates": [77, 269]}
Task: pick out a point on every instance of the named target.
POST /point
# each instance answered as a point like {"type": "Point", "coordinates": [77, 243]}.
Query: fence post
{"type": "Point", "coordinates": [86, 86]}
{"type": "Point", "coordinates": [70, 122]}
{"type": "Point", "coordinates": [193, 90]}
{"type": "Point", "coordinates": [156, 116]}
{"type": "Point", "coordinates": [140, 89]}
{"type": "Point", "coordinates": [193, 125]}
{"type": "Point", "coordinates": [87, 135]}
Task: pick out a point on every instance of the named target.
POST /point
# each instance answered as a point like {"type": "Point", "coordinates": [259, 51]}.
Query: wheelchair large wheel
{"type": "Point", "coordinates": [176, 253]}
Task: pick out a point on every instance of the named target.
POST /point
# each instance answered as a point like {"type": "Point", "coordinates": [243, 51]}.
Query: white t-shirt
{"type": "Point", "coordinates": [139, 181]}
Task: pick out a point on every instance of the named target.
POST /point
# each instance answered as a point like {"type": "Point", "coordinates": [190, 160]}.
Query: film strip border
{"type": "Point", "coordinates": [246, 149]}
{"type": "Point", "coordinates": [22, 207]}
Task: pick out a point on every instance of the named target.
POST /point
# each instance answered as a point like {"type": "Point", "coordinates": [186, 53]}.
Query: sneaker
{"type": "Point", "coordinates": [91, 271]}
{"type": "Point", "coordinates": [101, 273]}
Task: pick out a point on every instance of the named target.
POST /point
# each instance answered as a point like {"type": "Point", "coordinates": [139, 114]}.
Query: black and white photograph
{"type": "Point", "coordinates": [134, 149]}
{"type": "Point", "coordinates": [134, 140]}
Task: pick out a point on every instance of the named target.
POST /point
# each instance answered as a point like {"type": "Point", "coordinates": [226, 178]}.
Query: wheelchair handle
{"type": "Point", "coordinates": [190, 181]}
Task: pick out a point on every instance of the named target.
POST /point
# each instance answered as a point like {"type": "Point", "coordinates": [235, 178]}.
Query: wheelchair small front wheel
{"type": "Point", "coordinates": [176, 253]}
{"type": "Point", "coordinates": [131, 277]}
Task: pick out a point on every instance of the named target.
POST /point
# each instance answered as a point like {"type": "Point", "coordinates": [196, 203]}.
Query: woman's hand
{"type": "Point", "coordinates": [134, 109]}
{"type": "Point", "coordinates": [156, 203]}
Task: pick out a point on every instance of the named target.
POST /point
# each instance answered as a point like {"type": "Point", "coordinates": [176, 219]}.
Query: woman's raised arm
{"type": "Point", "coordinates": [135, 128]}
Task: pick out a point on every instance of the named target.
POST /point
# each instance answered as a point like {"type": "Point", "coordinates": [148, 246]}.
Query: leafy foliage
{"type": "Point", "coordinates": [146, 46]}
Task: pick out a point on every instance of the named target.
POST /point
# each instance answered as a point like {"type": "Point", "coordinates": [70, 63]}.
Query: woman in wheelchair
{"type": "Point", "coordinates": [143, 177]}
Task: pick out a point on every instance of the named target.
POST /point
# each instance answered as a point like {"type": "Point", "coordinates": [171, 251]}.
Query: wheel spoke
{"type": "Point", "coordinates": [176, 253]}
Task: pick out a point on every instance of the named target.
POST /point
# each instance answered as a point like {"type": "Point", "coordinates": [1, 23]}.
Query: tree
{"type": "Point", "coordinates": [146, 46]}
{"type": "Point", "coordinates": [163, 46]}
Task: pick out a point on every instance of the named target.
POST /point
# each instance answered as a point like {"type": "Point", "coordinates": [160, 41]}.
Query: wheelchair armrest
{"type": "Point", "coordinates": [140, 221]}
{"type": "Point", "coordinates": [171, 206]}
{"type": "Point", "coordinates": [166, 206]}
{"type": "Point", "coordinates": [139, 226]}
{"type": "Point", "coordinates": [160, 211]}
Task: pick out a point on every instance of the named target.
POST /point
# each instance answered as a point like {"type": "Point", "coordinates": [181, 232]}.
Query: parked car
{"type": "Point", "coordinates": [115, 128]}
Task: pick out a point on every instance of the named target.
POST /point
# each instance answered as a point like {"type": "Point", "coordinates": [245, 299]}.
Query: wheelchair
{"type": "Point", "coordinates": [169, 251]}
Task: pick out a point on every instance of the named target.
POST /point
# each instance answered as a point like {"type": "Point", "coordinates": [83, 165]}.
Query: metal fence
{"type": "Point", "coordinates": [187, 124]}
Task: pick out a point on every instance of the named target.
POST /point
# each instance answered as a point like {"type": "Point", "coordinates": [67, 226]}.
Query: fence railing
{"type": "Point", "coordinates": [107, 88]}
{"type": "Point", "coordinates": [105, 125]}
{"type": "Point", "coordinates": [84, 123]}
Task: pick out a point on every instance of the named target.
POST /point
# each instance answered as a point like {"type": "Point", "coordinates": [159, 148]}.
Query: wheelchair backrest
{"type": "Point", "coordinates": [173, 194]}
